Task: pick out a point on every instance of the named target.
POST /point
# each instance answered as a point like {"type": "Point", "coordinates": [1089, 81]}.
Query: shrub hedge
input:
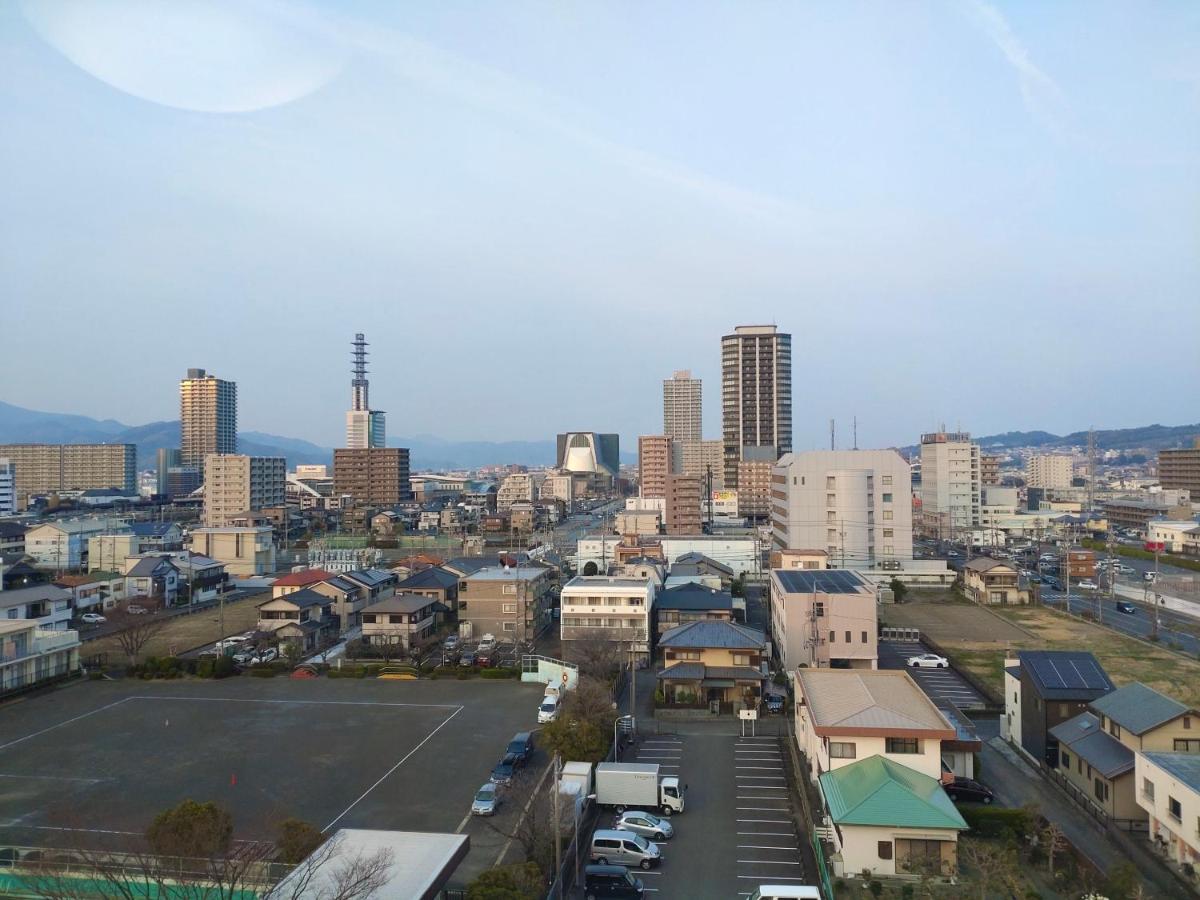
{"type": "Point", "coordinates": [994, 822]}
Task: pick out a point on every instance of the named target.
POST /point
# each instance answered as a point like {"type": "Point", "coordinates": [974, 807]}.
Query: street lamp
{"type": "Point", "coordinates": [616, 725]}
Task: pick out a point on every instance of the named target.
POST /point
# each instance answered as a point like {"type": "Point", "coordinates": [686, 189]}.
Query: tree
{"type": "Point", "coordinates": [598, 654]}
{"type": "Point", "coordinates": [1054, 842]}
{"type": "Point", "coordinates": [191, 829]}
{"type": "Point", "coordinates": [899, 589]}
{"type": "Point", "coordinates": [534, 831]}
{"type": "Point", "coordinates": [331, 872]}
{"type": "Point", "coordinates": [583, 729]}
{"type": "Point", "coordinates": [992, 865]}
{"type": "Point", "coordinates": [737, 588]}
{"type": "Point", "coordinates": [522, 881]}
{"type": "Point", "coordinates": [135, 631]}
{"type": "Point", "coordinates": [296, 840]}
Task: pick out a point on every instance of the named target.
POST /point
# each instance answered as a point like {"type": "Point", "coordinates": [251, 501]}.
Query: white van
{"type": "Point", "coordinates": [548, 711]}
{"type": "Point", "coordinates": [786, 892]}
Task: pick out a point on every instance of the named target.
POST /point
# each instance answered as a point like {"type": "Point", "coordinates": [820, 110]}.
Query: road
{"type": "Point", "coordinates": [1139, 624]}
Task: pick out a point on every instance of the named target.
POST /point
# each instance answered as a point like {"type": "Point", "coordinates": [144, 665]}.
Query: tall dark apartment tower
{"type": "Point", "coordinates": [756, 396]}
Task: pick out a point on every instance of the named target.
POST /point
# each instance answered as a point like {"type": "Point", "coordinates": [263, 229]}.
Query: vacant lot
{"type": "Point", "coordinates": [186, 632]}
{"type": "Point", "coordinates": [94, 763]}
{"type": "Point", "coordinates": [978, 638]}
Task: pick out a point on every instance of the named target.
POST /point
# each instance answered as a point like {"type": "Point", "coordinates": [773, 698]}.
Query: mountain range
{"type": "Point", "coordinates": [427, 452]}
{"type": "Point", "coordinates": [19, 425]}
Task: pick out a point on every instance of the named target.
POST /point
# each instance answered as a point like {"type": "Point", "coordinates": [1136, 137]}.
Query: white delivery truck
{"type": "Point", "coordinates": [637, 785]}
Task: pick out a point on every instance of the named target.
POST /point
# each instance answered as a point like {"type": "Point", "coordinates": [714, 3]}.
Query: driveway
{"type": "Point", "coordinates": [938, 684]}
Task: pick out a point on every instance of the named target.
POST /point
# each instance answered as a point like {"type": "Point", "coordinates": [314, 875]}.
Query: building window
{"type": "Point", "coordinates": [510, 607]}
{"type": "Point", "coordinates": [1187, 745]}
{"type": "Point", "coordinates": [885, 849]}
{"type": "Point", "coordinates": [887, 498]}
{"type": "Point", "coordinates": [887, 515]}
{"type": "Point", "coordinates": [1114, 729]}
{"type": "Point", "coordinates": [888, 532]}
{"type": "Point", "coordinates": [1187, 723]}
{"type": "Point", "coordinates": [1063, 710]}
{"type": "Point", "coordinates": [830, 482]}
{"type": "Point", "coordinates": [842, 750]}
{"type": "Point", "coordinates": [848, 638]}
{"type": "Point", "coordinates": [864, 638]}
{"type": "Point", "coordinates": [831, 499]}
{"type": "Point", "coordinates": [508, 589]}
{"type": "Point", "coordinates": [833, 637]}
{"type": "Point", "coordinates": [819, 609]}
{"type": "Point", "coordinates": [887, 480]}
{"type": "Point", "coordinates": [1100, 789]}
{"type": "Point", "coordinates": [510, 626]}
{"type": "Point", "coordinates": [902, 745]}
{"type": "Point", "coordinates": [918, 856]}
{"type": "Point", "coordinates": [1174, 809]}
{"type": "Point", "coordinates": [1065, 758]}
{"type": "Point", "coordinates": [1148, 789]}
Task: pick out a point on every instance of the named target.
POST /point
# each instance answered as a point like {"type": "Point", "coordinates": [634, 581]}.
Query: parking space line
{"type": "Point", "coordinates": [769, 833]}
{"type": "Point", "coordinates": [759, 777]}
{"type": "Point", "coordinates": [773, 877]}
{"type": "Point", "coordinates": [760, 809]}
{"type": "Point", "coordinates": [765, 847]}
{"type": "Point", "coordinates": [769, 821]}
{"type": "Point", "coordinates": [762, 768]}
{"type": "Point", "coordinates": [767, 862]}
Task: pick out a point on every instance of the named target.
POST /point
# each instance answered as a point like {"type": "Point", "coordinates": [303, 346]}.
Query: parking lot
{"type": "Point", "coordinates": [93, 764]}
{"type": "Point", "coordinates": [738, 829]}
{"type": "Point", "coordinates": [938, 684]}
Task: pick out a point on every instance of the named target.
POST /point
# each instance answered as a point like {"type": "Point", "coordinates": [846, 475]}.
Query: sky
{"type": "Point", "coordinates": [979, 214]}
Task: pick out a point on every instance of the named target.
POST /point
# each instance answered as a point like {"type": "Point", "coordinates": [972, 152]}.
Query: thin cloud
{"type": "Point", "coordinates": [1042, 95]}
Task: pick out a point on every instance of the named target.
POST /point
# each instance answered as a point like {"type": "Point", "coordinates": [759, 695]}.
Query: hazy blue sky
{"type": "Point", "coordinates": [987, 215]}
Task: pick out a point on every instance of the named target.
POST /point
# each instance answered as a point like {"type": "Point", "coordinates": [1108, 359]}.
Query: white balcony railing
{"type": "Point", "coordinates": [46, 640]}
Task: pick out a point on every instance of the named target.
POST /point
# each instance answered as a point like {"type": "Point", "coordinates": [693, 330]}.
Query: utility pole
{"type": "Point", "coordinates": [557, 819]}
{"type": "Point", "coordinates": [1066, 568]}
{"type": "Point", "coordinates": [1112, 577]}
{"type": "Point", "coordinates": [1157, 595]}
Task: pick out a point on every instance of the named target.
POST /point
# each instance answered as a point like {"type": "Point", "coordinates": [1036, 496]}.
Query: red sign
{"type": "Point", "coordinates": [1155, 546]}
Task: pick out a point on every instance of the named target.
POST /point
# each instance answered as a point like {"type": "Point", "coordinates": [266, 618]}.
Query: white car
{"type": "Point", "coordinates": [928, 661]}
{"type": "Point", "coordinates": [1087, 585]}
{"type": "Point", "coordinates": [486, 644]}
{"type": "Point", "coordinates": [268, 655]}
{"type": "Point", "coordinates": [92, 618]}
{"type": "Point", "coordinates": [548, 711]}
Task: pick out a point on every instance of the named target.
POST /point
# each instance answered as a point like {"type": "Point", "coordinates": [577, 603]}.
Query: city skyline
{"type": "Point", "coordinates": [397, 172]}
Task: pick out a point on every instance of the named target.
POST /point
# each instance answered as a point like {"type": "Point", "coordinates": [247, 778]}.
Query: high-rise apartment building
{"type": "Point", "coordinates": [682, 510]}
{"type": "Point", "coordinates": [365, 427]}
{"type": "Point", "coordinates": [756, 396]}
{"type": "Point", "coordinates": [683, 412]}
{"type": "Point", "coordinates": [989, 469]}
{"type": "Point", "coordinates": [8, 488]}
{"type": "Point", "coordinates": [1179, 470]}
{"type": "Point", "coordinates": [856, 505]}
{"type": "Point", "coordinates": [654, 464]}
{"type": "Point", "coordinates": [951, 483]}
{"type": "Point", "coordinates": [373, 476]}
{"type": "Point", "coordinates": [207, 417]}
{"type": "Point", "coordinates": [754, 489]}
{"type": "Point", "coordinates": [1049, 471]}
{"type": "Point", "coordinates": [235, 484]}
{"type": "Point", "coordinates": [519, 487]}
{"type": "Point", "coordinates": [51, 468]}
{"type": "Point", "coordinates": [700, 459]}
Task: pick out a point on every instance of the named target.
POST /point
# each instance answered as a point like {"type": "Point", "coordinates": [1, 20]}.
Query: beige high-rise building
{"type": "Point", "coordinates": [754, 489]}
{"type": "Point", "coordinates": [756, 396]}
{"type": "Point", "coordinates": [235, 484]}
{"type": "Point", "coordinates": [855, 505]}
{"type": "Point", "coordinates": [701, 458]}
{"type": "Point", "coordinates": [683, 411]}
{"type": "Point", "coordinates": [373, 476]}
{"type": "Point", "coordinates": [1177, 469]}
{"type": "Point", "coordinates": [683, 505]}
{"type": "Point", "coordinates": [49, 468]}
{"type": "Point", "coordinates": [654, 464]}
{"type": "Point", "coordinates": [951, 483]}
{"type": "Point", "coordinates": [207, 417]}
{"type": "Point", "coordinates": [989, 468]}
{"type": "Point", "coordinates": [1050, 470]}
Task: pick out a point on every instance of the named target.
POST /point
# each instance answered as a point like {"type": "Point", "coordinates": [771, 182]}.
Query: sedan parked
{"type": "Point", "coordinates": [487, 800]}
{"type": "Point", "coordinates": [928, 661]}
{"type": "Point", "coordinates": [467, 660]}
{"type": "Point", "coordinates": [1087, 585]}
{"type": "Point", "coordinates": [969, 789]}
{"type": "Point", "coordinates": [92, 618]}
{"type": "Point", "coordinates": [645, 824]}
{"type": "Point", "coordinates": [503, 771]}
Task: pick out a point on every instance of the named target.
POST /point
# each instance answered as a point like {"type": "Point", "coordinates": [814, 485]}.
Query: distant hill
{"type": "Point", "coordinates": [1150, 437]}
{"type": "Point", "coordinates": [18, 425]}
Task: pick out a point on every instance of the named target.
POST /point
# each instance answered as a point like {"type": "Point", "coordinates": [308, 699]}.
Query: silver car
{"type": "Point", "coordinates": [645, 824]}
{"type": "Point", "coordinates": [487, 798]}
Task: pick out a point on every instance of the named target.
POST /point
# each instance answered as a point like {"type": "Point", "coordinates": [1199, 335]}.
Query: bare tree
{"type": "Point", "coordinates": [534, 829]}
{"type": "Point", "coordinates": [993, 865]}
{"type": "Point", "coordinates": [598, 653]}
{"type": "Point", "coordinates": [1054, 842]}
{"type": "Point", "coordinates": [331, 872]}
{"type": "Point", "coordinates": [135, 631]}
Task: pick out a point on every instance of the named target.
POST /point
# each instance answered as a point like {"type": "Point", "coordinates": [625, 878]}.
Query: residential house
{"type": "Point", "coordinates": [153, 578]}
{"type": "Point", "coordinates": [49, 604]}
{"type": "Point", "coordinates": [1055, 685]}
{"type": "Point", "coordinates": [436, 582]}
{"type": "Point", "coordinates": [349, 600]}
{"type": "Point", "coordinates": [509, 602]}
{"type": "Point", "coordinates": [304, 618]}
{"type": "Point", "coordinates": [108, 551]}
{"type": "Point", "coordinates": [714, 661]}
{"type": "Point", "coordinates": [824, 618]}
{"type": "Point", "coordinates": [95, 591]}
{"type": "Point", "coordinates": [376, 582]}
{"type": "Point", "coordinates": [993, 582]}
{"type": "Point", "coordinates": [1168, 790]}
{"type": "Point", "coordinates": [406, 620]}
{"type": "Point", "coordinates": [645, 567]}
{"type": "Point", "coordinates": [889, 819]}
{"type": "Point", "coordinates": [406, 565]}
{"type": "Point", "coordinates": [611, 608]}
{"type": "Point", "coordinates": [32, 655]}
{"type": "Point", "coordinates": [294, 581]}
{"type": "Point", "coordinates": [690, 603]}
{"type": "Point", "coordinates": [1096, 748]}
{"type": "Point", "coordinates": [246, 551]}
{"type": "Point", "coordinates": [157, 536]}
{"type": "Point", "coordinates": [845, 715]}
{"type": "Point", "coordinates": [62, 544]}
{"type": "Point", "coordinates": [783, 558]}
{"type": "Point", "coordinates": [12, 538]}
{"type": "Point", "coordinates": [694, 563]}
{"type": "Point", "coordinates": [17, 571]}
{"type": "Point", "coordinates": [201, 578]}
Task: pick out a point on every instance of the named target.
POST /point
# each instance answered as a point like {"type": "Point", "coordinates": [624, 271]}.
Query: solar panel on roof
{"type": "Point", "coordinates": [828, 581]}
{"type": "Point", "coordinates": [1069, 672]}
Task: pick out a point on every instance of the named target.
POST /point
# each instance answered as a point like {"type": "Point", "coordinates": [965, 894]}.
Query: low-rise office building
{"type": "Point", "coordinates": [823, 618]}
{"type": "Point", "coordinates": [612, 608]}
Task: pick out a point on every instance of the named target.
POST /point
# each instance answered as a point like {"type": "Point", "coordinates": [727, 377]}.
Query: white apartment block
{"type": "Point", "coordinates": [951, 483]}
{"type": "Point", "coordinates": [620, 609]}
{"type": "Point", "coordinates": [1052, 471]}
{"type": "Point", "coordinates": [30, 654]}
{"type": "Point", "coordinates": [682, 408]}
{"type": "Point", "coordinates": [8, 488]}
{"type": "Point", "coordinates": [519, 487]}
{"type": "Point", "coordinates": [856, 505]}
{"type": "Point", "coordinates": [63, 544]}
{"type": "Point", "coordinates": [235, 484]}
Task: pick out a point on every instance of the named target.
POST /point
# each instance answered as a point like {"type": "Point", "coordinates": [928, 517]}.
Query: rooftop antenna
{"type": "Point", "coordinates": [856, 432]}
{"type": "Point", "coordinates": [832, 434]}
{"type": "Point", "coordinates": [359, 384]}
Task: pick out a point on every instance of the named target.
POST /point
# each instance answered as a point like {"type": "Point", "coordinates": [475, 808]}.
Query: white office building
{"type": "Point", "coordinates": [617, 609]}
{"type": "Point", "coordinates": [8, 488]}
{"type": "Point", "coordinates": [1052, 471]}
{"type": "Point", "coordinates": [951, 483]}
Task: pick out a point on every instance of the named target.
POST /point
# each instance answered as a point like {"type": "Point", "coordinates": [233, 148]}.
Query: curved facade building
{"type": "Point", "coordinates": [589, 453]}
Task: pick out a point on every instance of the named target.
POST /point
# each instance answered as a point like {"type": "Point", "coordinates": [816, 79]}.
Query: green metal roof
{"type": "Point", "coordinates": [878, 791]}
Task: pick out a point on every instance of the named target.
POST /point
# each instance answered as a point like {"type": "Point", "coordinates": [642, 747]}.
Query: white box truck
{"type": "Point", "coordinates": [637, 785]}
